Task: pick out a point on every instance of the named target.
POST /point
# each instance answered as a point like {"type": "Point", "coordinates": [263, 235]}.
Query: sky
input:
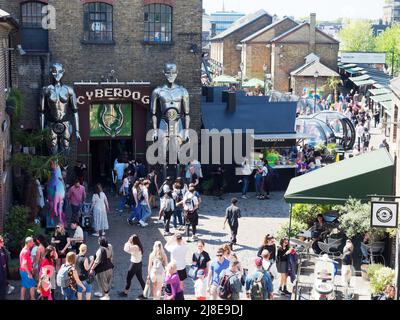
{"type": "Point", "coordinates": [325, 9]}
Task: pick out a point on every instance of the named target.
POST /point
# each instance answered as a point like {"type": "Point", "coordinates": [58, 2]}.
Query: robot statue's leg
{"type": "Point", "coordinates": [66, 138]}
{"type": "Point", "coordinates": [53, 142]}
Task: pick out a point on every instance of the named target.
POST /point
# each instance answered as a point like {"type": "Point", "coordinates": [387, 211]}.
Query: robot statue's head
{"type": "Point", "coordinates": [57, 71]}
{"type": "Point", "coordinates": [170, 72]}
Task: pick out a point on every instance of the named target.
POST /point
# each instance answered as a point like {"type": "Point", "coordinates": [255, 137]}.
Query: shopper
{"type": "Point", "coordinates": [60, 241]}
{"type": "Point", "coordinates": [200, 286]}
{"type": "Point", "coordinates": [259, 283]}
{"type": "Point", "coordinates": [135, 216]}
{"type": "Point", "coordinates": [3, 269]}
{"type": "Point", "coordinates": [68, 279]}
{"type": "Point", "coordinates": [100, 208]}
{"type": "Point", "coordinates": [230, 284]}
{"type": "Point", "coordinates": [282, 265]}
{"type": "Point", "coordinates": [167, 208]}
{"type": "Point", "coordinates": [26, 270]}
{"type": "Point", "coordinates": [47, 267]}
{"type": "Point", "coordinates": [83, 265]}
{"type": "Point", "coordinates": [124, 192]}
{"type": "Point", "coordinates": [268, 244]}
{"type": "Point", "coordinates": [232, 216]}
{"type": "Point", "coordinates": [190, 207]}
{"type": "Point", "coordinates": [76, 197]}
{"type": "Point", "coordinates": [78, 237]}
{"type": "Point", "coordinates": [145, 209]}
{"type": "Point", "coordinates": [153, 187]}
{"type": "Point", "coordinates": [158, 261]}
{"type": "Point", "coordinates": [200, 260]}
{"type": "Point", "coordinates": [178, 194]}
{"type": "Point", "coordinates": [103, 266]}
{"type": "Point", "coordinates": [178, 249]}
{"type": "Point", "coordinates": [135, 248]}
{"type": "Point", "coordinates": [347, 263]}
{"type": "Point", "coordinates": [216, 268]}
{"type": "Point", "coordinates": [173, 280]}
{"type": "Point", "coordinates": [246, 173]}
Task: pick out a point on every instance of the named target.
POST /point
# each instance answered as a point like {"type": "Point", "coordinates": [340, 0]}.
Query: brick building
{"type": "Point", "coordinates": [7, 26]}
{"type": "Point", "coordinates": [224, 46]}
{"type": "Point", "coordinates": [256, 50]}
{"type": "Point", "coordinates": [116, 47]}
{"type": "Point", "coordinates": [290, 49]}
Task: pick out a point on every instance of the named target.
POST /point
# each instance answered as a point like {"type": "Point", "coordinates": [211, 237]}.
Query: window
{"type": "Point", "coordinates": [158, 23]}
{"type": "Point", "coordinates": [98, 22]}
{"type": "Point", "coordinates": [31, 14]}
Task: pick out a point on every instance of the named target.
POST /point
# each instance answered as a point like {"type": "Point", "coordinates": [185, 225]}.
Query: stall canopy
{"type": "Point", "coordinates": [253, 83]}
{"type": "Point", "coordinates": [367, 174]}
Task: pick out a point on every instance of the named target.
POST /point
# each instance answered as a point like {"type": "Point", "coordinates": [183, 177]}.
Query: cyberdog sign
{"type": "Point", "coordinates": [384, 214]}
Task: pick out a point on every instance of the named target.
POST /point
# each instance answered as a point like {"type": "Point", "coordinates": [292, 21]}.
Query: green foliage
{"type": "Point", "coordinates": [35, 138]}
{"type": "Point", "coordinates": [18, 227]}
{"type": "Point", "coordinates": [307, 213]}
{"type": "Point", "coordinates": [381, 278]}
{"type": "Point", "coordinates": [332, 85]}
{"type": "Point", "coordinates": [16, 101]}
{"type": "Point", "coordinates": [207, 185]}
{"type": "Point", "coordinates": [357, 36]}
{"type": "Point", "coordinates": [373, 268]}
{"type": "Point", "coordinates": [388, 41]}
{"type": "Point", "coordinates": [296, 228]}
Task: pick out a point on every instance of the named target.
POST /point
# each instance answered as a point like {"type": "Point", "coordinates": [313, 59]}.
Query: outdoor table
{"type": "Point", "coordinates": [305, 234]}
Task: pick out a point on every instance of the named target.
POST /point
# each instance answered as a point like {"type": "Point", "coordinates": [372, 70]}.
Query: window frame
{"type": "Point", "coordinates": [36, 22]}
{"type": "Point", "coordinates": [151, 26]}
{"type": "Point", "coordinates": [89, 36]}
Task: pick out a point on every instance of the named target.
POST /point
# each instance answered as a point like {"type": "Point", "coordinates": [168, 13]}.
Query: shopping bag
{"type": "Point", "coordinates": [147, 289]}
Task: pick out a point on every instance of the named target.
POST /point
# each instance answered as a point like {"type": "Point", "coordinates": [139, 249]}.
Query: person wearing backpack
{"type": "Point", "coordinates": [259, 284]}
{"type": "Point", "coordinates": [190, 206]}
{"type": "Point", "coordinates": [68, 278]}
{"type": "Point", "coordinates": [136, 193]}
{"type": "Point", "coordinates": [167, 209]}
{"type": "Point", "coordinates": [216, 267]}
{"type": "Point", "coordinates": [158, 260]}
{"type": "Point", "coordinates": [269, 265]}
{"type": "Point", "coordinates": [230, 284]}
{"type": "Point", "coordinates": [178, 193]}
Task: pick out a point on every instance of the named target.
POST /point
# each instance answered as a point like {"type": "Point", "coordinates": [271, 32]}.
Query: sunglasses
{"type": "Point", "coordinates": [219, 255]}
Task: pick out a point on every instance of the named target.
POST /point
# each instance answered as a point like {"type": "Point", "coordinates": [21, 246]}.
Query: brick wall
{"type": "Point", "coordinates": [299, 83]}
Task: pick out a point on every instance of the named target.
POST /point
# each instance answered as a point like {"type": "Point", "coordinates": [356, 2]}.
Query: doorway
{"type": "Point", "coordinates": [103, 155]}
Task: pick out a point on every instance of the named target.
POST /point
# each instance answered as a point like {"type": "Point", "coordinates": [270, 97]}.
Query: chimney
{"type": "Point", "coordinates": [313, 35]}
{"type": "Point", "coordinates": [231, 101]}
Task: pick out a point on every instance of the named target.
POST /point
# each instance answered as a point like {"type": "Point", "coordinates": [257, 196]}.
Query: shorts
{"type": "Point", "coordinates": [182, 274]}
{"type": "Point", "coordinates": [87, 286]}
{"type": "Point", "coordinates": [26, 282]}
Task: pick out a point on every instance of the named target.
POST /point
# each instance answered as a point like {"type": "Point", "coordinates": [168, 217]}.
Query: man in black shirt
{"type": "Point", "coordinates": [79, 170]}
{"type": "Point", "coordinates": [3, 269]}
{"type": "Point", "coordinates": [232, 215]}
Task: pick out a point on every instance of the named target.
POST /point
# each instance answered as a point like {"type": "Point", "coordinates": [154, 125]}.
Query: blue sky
{"type": "Point", "coordinates": [325, 9]}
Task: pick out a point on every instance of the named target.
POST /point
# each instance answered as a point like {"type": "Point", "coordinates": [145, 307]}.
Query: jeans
{"type": "Point", "coordinates": [68, 294]}
{"type": "Point", "coordinates": [245, 187]}
{"type": "Point", "coordinates": [258, 182]}
{"type": "Point", "coordinates": [364, 252]}
{"type": "Point", "coordinates": [134, 270]}
{"type": "Point", "coordinates": [75, 212]}
{"type": "Point", "coordinates": [135, 214]}
{"type": "Point", "coordinates": [177, 216]}
{"type": "Point", "coordinates": [167, 221]}
{"type": "Point", "coordinates": [124, 199]}
{"type": "Point", "coordinates": [234, 230]}
{"type": "Point", "coordinates": [145, 212]}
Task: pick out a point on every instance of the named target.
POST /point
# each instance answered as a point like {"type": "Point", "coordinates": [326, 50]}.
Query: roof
{"type": "Point", "coordinates": [308, 70]}
{"type": "Point", "coordinates": [364, 82]}
{"type": "Point", "coordinates": [284, 35]}
{"type": "Point", "coordinates": [377, 92]}
{"type": "Point", "coordinates": [395, 85]}
{"type": "Point", "coordinates": [382, 97]}
{"type": "Point", "coordinates": [269, 27]}
{"type": "Point", "coordinates": [353, 177]}
{"type": "Point", "coordinates": [240, 23]}
{"type": "Point", "coordinates": [360, 78]}
{"type": "Point", "coordinates": [6, 17]}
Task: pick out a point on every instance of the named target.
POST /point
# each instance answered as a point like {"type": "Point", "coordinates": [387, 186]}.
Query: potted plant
{"type": "Point", "coordinates": [381, 278]}
{"type": "Point", "coordinates": [295, 228]}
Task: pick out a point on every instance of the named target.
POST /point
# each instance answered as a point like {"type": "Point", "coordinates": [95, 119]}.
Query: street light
{"type": "Point", "coordinates": [316, 75]}
{"type": "Point", "coordinates": [265, 68]}
{"type": "Point", "coordinates": [241, 74]}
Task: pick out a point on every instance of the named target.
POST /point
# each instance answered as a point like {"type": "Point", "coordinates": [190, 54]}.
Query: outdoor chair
{"type": "Point", "coordinates": [331, 248]}
{"type": "Point", "coordinates": [301, 246]}
{"type": "Point", "coordinates": [375, 250]}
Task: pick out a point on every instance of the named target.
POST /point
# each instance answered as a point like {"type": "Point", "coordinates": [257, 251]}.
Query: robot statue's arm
{"type": "Point", "coordinates": [186, 110]}
{"type": "Point", "coordinates": [154, 100]}
{"type": "Point", "coordinates": [74, 106]}
{"type": "Point", "coordinates": [42, 107]}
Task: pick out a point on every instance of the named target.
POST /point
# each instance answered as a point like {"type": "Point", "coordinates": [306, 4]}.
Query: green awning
{"type": "Point", "coordinates": [253, 83]}
{"type": "Point", "coordinates": [364, 82]}
{"type": "Point", "coordinates": [387, 105]}
{"type": "Point", "coordinates": [377, 92]}
{"type": "Point", "coordinates": [367, 174]}
{"type": "Point", "coordinates": [378, 86]}
{"type": "Point", "coordinates": [348, 66]}
{"type": "Point", "coordinates": [360, 78]}
{"type": "Point", "coordinates": [225, 79]}
{"type": "Point", "coordinates": [382, 98]}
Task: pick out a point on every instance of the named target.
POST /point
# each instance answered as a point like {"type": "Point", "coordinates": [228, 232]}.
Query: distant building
{"type": "Point", "coordinates": [379, 27]}
{"type": "Point", "coordinates": [391, 11]}
{"type": "Point", "coordinates": [206, 32]}
{"type": "Point", "coordinates": [330, 28]}
{"type": "Point", "coordinates": [222, 20]}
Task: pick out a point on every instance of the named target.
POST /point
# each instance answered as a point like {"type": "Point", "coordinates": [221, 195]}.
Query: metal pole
{"type": "Point", "coordinates": [393, 63]}
{"type": "Point", "coordinates": [290, 223]}
{"type": "Point", "coordinates": [315, 95]}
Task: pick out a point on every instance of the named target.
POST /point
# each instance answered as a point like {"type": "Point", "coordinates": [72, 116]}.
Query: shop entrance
{"type": "Point", "coordinates": [103, 154]}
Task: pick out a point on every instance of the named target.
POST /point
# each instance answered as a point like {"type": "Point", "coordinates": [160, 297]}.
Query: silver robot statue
{"type": "Point", "coordinates": [173, 100]}
{"type": "Point", "coordinates": [56, 101]}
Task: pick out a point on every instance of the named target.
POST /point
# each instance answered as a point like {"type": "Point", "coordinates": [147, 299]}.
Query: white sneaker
{"type": "Point", "coordinates": [95, 234]}
{"type": "Point", "coordinates": [10, 289]}
{"type": "Point", "coordinates": [159, 222]}
{"type": "Point", "coordinates": [143, 224]}
{"type": "Point", "coordinates": [98, 294]}
{"type": "Point", "coordinates": [244, 197]}
{"type": "Point", "coordinates": [106, 297]}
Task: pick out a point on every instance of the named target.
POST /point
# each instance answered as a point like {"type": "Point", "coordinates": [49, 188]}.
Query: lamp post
{"type": "Point", "coordinates": [241, 74]}
{"type": "Point", "coordinates": [316, 75]}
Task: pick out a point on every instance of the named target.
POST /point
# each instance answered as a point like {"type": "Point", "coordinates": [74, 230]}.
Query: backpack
{"type": "Point", "coordinates": [224, 286]}
{"type": "Point", "coordinates": [270, 273]}
{"type": "Point", "coordinates": [257, 289]}
{"type": "Point", "coordinates": [63, 279]}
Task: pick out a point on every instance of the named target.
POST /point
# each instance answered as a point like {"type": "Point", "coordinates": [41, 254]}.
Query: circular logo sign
{"type": "Point", "coordinates": [384, 215]}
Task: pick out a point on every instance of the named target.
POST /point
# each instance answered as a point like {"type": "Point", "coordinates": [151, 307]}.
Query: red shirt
{"type": "Point", "coordinates": [76, 196]}
{"type": "Point", "coordinates": [25, 258]}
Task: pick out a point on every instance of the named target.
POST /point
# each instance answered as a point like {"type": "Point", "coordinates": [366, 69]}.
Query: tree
{"type": "Point", "coordinates": [388, 41]}
{"type": "Point", "coordinates": [332, 84]}
{"type": "Point", "coordinates": [357, 36]}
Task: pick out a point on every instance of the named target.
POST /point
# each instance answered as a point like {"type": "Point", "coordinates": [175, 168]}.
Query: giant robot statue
{"type": "Point", "coordinates": [56, 100]}
{"type": "Point", "coordinates": [174, 104]}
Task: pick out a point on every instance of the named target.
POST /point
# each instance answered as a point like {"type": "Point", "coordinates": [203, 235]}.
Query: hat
{"type": "Point", "coordinates": [258, 262]}
{"type": "Point", "coordinates": [178, 236]}
{"type": "Point", "coordinates": [200, 273]}
{"type": "Point", "coordinates": [168, 178]}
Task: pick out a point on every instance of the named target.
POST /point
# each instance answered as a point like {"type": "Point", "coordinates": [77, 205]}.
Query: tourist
{"type": "Point", "coordinates": [227, 251]}
{"type": "Point", "coordinates": [78, 237]}
{"type": "Point", "coordinates": [178, 249]}
{"type": "Point", "coordinates": [258, 182]}
{"type": "Point", "coordinates": [190, 207]}
{"type": "Point", "coordinates": [359, 134]}
{"type": "Point", "coordinates": [3, 269]}
{"type": "Point", "coordinates": [60, 241]}
{"type": "Point", "coordinates": [158, 260]}
{"type": "Point", "coordinates": [269, 265]}
{"type": "Point", "coordinates": [218, 181]}
{"type": "Point", "coordinates": [80, 170]}
{"type": "Point", "coordinates": [282, 265]}
{"type": "Point", "coordinates": [124, 192]}
{"type": "Point", "coordinates": [216, 267]}
{"type": "Point", "coordinates": [26, 270]}
{"type": "Point", "coordinates": [384, 145]}
{"type": "Point", "coordinates": [318, 232]}
{"type": "Point", "coordinates": [347, 263]}
{"type": "Point", "coordinates": [234, 277]}
{"type": "Point", "coordinates": [153, 187]}
{"type": "Point", "coordinates": [389, 294]}
{"type": "Point", "coordinates": [76, 197]}
{"type": "Point", "coordinates": [135, 216]}
{"type": "Point", "coordinates": [246, 173]}
{"type": "Point", "coordinates": [145, 209]}
{"type": "Point", "coordinates": [103, 268]}
{"type": "Point", "coordinates": [268, 244]}
{"type": "Point", "coordinates": [68, 279]}
{"type": "Point", "coordinates": [232, 216]}
{"type": "Point", "coordinates": [200, 287]}
{"type": "Point", "coordinates": [44, 287]}
{"type": "Point", "coordinates": [83, 267]}
{"type": "Point", "coordinates": [173, 280]}
{"type": "Point", "coordinates": [41, 243]}
{"type": "Point", "coordinates": [193, 177]}
{"type": "Point", "coordinates": [135, 248]}
{"type": "Point", "coordinates": [47, 267]}
{"type": "Point", "coordinates": [377, 116]}
{"type": "Point", "coordinates": [364, 250]}
{"type": "Point", "coordinates": [201, 259]}
{"type": "Point", "coordinates": [119, 170]}
{"type": "Point", "coordinates": [265, 180]}
{"type": "Point", "coordinates": [178, 193]}
{"type": "Point", "coordinates": [259, 283]}
{"type": "Point", "coordinates": [100, 208]}
{"type": "Point", "coordinates": [167, 208]}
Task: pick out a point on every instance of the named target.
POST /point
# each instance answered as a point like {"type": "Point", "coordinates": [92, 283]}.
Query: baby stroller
{"type": "Point", "coordinates": [86, 217]}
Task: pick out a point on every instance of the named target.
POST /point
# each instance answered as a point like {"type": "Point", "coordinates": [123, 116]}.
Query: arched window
{"type": "Point", "coordinates": [98, 22]}
{"type": "Point", "coordinates": [157, 23]}
{"type": "Point", "coordinates": [32, 14]}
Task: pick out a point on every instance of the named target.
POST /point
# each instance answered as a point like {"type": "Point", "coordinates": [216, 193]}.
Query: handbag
{"type": "Point", "coordinates": [91, 278]}
{"type": "Point", "coordinates": [147, 289]}
{"type": "Point", "coordinates": [193, 272]}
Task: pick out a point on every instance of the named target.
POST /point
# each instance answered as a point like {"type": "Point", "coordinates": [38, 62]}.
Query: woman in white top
{"type": "Point", "coordinates": [135, 248]}
{"type": "Point", "coordinates": [100, 208]}
{"type": "Point", "coordinates": [156, 270]}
